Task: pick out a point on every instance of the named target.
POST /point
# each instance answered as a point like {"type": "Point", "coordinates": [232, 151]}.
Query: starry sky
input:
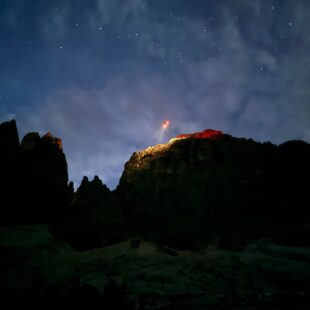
{"type": "Point", "coordinates": [104, 74]}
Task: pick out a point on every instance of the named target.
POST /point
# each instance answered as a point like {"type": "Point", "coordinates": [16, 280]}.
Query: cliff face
{"type": "Point", "coordinates": [44, 178]}
{"type": "Point", "coordinates": [9, 157]}
{"type": "Point", "coordinates": [9, 137]}
{"type": "Point", "coordinates": [213, 188]}
{"type": "Point", "coordinates": [34, 177]}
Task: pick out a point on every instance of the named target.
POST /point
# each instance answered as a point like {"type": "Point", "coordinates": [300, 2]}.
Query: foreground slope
{"type": "Point", "coordinates": [263, 276]}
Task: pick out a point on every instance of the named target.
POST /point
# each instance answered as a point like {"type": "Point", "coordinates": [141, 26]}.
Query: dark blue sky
{"type": "Point", "coordinates": [104, 74]}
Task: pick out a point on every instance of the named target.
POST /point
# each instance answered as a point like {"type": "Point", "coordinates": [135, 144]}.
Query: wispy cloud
{"type": "Point", "coordinates": [238, 66]}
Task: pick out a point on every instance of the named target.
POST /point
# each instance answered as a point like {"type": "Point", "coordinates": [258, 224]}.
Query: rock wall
{"type": "Point", "coordinates": [197, 190]}
{"type": "Point", "coordinates": [34, 180]}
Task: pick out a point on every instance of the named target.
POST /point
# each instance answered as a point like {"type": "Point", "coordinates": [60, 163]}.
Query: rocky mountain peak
{"type": "Point", "coordinates": [33, 138]}
{"type": "Point", "coordinates": [54, 140]}
{"type": "Point", "coordinates": [206, 134]}
{"type": "Point", "coordinates": [161, 149]}
{"type": "Point", "coordinates": [9, 136]}
{"type": "Point", "coordinates": [213, 184]}
{"type": "Point", "coordinates": [33, 177]}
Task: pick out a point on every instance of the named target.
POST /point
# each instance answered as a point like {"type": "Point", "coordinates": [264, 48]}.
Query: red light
{"type": "Point", "coordinates": [165, 124]}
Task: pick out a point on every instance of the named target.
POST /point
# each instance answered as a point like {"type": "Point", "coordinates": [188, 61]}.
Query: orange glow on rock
{"type": "Point", "coordinates": [208, 133]}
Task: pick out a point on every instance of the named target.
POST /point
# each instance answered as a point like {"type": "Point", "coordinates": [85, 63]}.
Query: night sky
{"type": "Point", "coordinates": [104, 74]}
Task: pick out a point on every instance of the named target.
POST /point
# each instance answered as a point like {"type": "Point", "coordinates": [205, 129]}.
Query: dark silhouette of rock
{"type": "Point", "coordinates": [45, 178]}
{"type": "Point", "coordinates": [9, 170]}
{"type": "Point", "coordinates": [34, 177]}
{"type": "Point", "coordinates": [94, 219]}
{"type": "Point", "coordinates": [93, 191]}
{"type": "Point", "coordinates": [9, 137]}
{"type": "Point", "coordinates": [53, 140]}
{"type": "Point", "coordinates": [29, 141]}
{"type": "Point", "coordinates": [71, 194]}
{"type": "Point", "coordinates": [210, 187]}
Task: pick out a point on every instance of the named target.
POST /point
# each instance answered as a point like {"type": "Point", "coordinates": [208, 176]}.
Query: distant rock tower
{"type": "Point", "coordinates": [54, 140]}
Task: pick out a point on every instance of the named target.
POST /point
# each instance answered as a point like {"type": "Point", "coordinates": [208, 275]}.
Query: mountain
{"type": "Point", "coordinates": [198, 190]}
{"type": "Point", "coordinates": [212, 188]}
{"type": "Point", "coordinates": [34, 177]}
{"type": "Point", "coordinates": [205, 221]}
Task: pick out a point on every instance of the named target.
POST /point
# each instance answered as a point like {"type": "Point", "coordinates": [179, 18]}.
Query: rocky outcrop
{"type": "Point", "coordinates": [9, 169]}
{"type": "Point", "coordinates": [44, 173]}
{"type": "Point", "coordinates": [94, 219]}
{"type": "Point", "coordinates": [34, 177]}
{"type": "Point", "coordinates": [212, 188]}
{"type": "Point", "coordinates": [9, 137]}
{"type": "Point", "coordinates": [93, 191]}
{"type": "Point", "coordinates": [29, 141]}
{"type": "Point", "coordinates": [53, 140]}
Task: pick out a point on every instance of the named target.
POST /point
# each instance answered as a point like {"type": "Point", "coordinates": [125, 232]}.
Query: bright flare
{"type": "Point", "coordinates": [165, 124]}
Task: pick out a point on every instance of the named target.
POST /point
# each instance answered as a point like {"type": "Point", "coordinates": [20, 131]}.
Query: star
{"type": "Point", "coordinates": [173, 51]}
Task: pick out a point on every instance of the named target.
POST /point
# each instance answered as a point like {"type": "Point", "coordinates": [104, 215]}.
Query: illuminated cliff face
{"type": "Point", "coordinates": [54, 140]}
{"type": "Point", "coordinates": [160, 148]}
{"type": "Point", "coordinates": [172, 157]}
{"type": "Point", "coordinates": [30, 139]}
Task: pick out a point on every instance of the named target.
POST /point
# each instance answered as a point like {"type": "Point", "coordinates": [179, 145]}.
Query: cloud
{"type": "Point", "coordinates": [238, 66]}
